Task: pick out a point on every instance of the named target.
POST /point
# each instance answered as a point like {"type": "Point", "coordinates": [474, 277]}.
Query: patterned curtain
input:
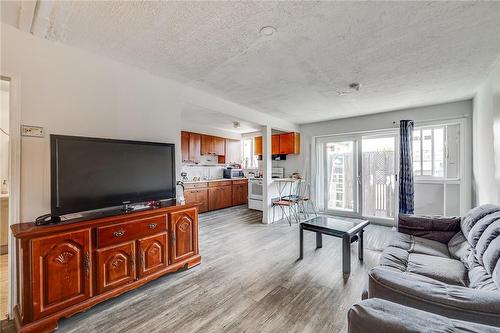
{"type": "Point", "coordinates": [406, 189]}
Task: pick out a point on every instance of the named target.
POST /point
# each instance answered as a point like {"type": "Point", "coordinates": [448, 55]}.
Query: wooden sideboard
{"type": "Point", "coordinates": [67, 268]}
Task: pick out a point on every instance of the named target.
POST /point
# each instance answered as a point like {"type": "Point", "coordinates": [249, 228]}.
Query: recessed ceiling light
{"type": "Point", "coordinates": [267, 30]}
{"type": "Point", "coordinates": [355, 86]}
{"type": "Point", "coordinates": [236, 124]}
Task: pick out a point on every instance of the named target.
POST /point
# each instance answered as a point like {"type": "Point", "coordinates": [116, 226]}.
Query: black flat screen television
{"type": "Point", "coordinates": [93, 173]}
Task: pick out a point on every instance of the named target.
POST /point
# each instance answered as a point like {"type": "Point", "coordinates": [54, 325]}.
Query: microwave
{"type": "Point", "coordinates": [233, 173]}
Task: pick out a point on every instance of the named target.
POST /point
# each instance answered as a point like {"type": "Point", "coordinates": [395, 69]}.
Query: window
{"type": "Point", "coordinates": [431, 151]}
{"type": "Point", "coordinates": [249, 159]}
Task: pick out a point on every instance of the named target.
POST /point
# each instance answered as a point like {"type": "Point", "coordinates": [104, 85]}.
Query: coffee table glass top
{"type": "Point", "coordinates": [343, 225]}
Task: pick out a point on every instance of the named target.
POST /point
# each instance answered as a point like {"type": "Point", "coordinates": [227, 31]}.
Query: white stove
{"type": "Point", "coordinates": [256, 189]}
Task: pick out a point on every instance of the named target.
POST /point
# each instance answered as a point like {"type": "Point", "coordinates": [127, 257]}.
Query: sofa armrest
{"type": "Point", "coordinates": [430, 295]}
{"type": "Point", "coordinates": [437, 228]}
{"type": "Point", "coordinates": [378, 315]}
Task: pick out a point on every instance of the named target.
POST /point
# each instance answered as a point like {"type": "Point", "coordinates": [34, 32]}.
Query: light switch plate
{"type": "Point", "coordinates": [35, 131]}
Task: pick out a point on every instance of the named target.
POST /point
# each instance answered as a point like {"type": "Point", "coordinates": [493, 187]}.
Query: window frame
{"type": "Point", "coordinates": [253, 163]}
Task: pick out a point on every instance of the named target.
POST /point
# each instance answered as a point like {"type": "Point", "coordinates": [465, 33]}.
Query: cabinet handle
{"type": "Point", "coordinates": [86, 263]}
{"type": "Point", "coordinates": [119, 233]}
{"type": "Point", "coordinates": [152, 225]}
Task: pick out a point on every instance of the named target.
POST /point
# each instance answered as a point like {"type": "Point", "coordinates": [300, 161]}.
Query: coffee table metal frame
{"type": "Point", "coordinates": [348, 237]}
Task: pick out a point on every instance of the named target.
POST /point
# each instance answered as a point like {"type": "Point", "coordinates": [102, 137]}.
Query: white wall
{"type": "Point", "coordinates": [381, 121]}
{"type": "Point", "coordinates": [4, 124]}
{"type": "Point", "coordinates": [486, 140]}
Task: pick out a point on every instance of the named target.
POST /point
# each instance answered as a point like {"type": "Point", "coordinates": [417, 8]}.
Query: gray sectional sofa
{"type": "Point", "coordinates": [437, 274]}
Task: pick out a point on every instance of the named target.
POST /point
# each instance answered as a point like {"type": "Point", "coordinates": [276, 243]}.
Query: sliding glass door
{"type": "Point", "coordinates": [378, 176]}
{"type": "Point", "coordinates": [341, 175]}
{"type": "Point", "coordinates": [358, 175]}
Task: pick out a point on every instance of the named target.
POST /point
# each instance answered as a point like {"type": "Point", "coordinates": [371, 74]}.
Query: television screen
{"type": "Point", "coordinates": [92, 173]}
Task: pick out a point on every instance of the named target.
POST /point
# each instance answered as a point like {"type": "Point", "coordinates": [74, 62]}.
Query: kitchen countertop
{"type": "Point", "coordinates": [211, 180]}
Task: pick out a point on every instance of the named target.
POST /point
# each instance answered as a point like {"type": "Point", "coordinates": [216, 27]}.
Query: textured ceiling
{"type": "Point", "coordinates": [403, 54]}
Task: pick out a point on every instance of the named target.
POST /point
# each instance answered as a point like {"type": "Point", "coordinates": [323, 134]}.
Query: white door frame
{"type": "Point", "coordinates": [14, 182]}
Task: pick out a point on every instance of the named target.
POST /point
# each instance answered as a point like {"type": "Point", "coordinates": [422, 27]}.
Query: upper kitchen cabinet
{"type": "Point", "coordinates": [257, 145]}
{"type": "Point", "coordinates": [233, 151]}
{"type": "Point", "coordinates": [219, 146]}
{"type": "Point", "coordinates": [289, 143]}
{"type": "Point", "coordinates": [207, 145]}
{"type": "Point", "coordinates": [190, 147]}
{"type": "Point", "coordinates": [281, 144]}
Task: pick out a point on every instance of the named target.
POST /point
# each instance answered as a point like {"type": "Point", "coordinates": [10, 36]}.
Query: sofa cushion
{"type": "Point", "coordinates": [430, 295]}
{"type": "Point", "coordinates": [379, 315]}
{"type": "Point", "coordinates": [477, 231]}
{"type": "Point", "coordinates": [474, 215]}
{"type": "Point", "coordinates": [446, 270]}
{"type": "Point", "coordinates": [413, 244]}
{"type": "Point", "coordinates": [459, 247]}
{"type": "Point", "coordinates": [480, 279]}
{"type": "Point", "coordinates": [437, 228]}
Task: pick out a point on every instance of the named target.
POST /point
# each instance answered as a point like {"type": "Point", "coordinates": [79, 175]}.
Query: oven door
{"type": "Point", "coordinates": [255, 189]}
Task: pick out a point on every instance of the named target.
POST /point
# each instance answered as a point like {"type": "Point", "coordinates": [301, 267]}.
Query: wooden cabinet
{"type": "Point", "coordinates": [219, 146]}
{"type": "Point", "coordinates": [115, 266]}
{"type": "Point", "coordinates": [197, 195]}
{"type": "Point", "coordinates": [207, 145]}
{"type": "Point", "coordinates": [194, 147]}
{"type": "Point", "coordinates": [275, 144]}
{"type": "Point", "coordinates": [153, 254]}
{"type": "Point", "coordinates": [233, 151]}
{"type": "Point", "coordinates": [257, 145]}
{"type": "Point", "coordinates": [62, 273]}
{"type": "Point", "coordinates": [190, 147]}
{"type": "Point", "coordinates": [289, 143]}
{"type": "Point", "coordinates": [184, 235]}
{"type": "Point", "coordinates": [67, 268]}
{"type": "Point", "coordinates": [185, 146]}
{"type": "Point", "coordinates": [219, 197]}
{"type": "Point", "coordinates": [240, 192]}
{"type": "Point", "coordinates": [281, 144]}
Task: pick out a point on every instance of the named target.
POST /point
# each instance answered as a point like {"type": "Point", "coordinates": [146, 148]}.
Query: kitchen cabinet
{"type": "Point", "coordinates": [289, 143]}
{"type": "Point", "coordinates": [184, 234]}
{"type": "Point", "coordinates": [61, 271]}
{"type": "Point", "coordinates": [194, 147]}
{"type": "Point", "coordinates": [153, 254]}
{"type": "Point", "coordinates": [219, 197]}
{"type": "Point", "coordinates": [233, 151]}
{"type": "Point", "coordinates": [257, 145]}
{"type": "Point", "coordinates": [240, 192]}
{"type": "Point", "coordinates": [190, 147]}
{"type": "Point", "coordinates": [197, 195]}
{"type": "Point", "coordinates": [115, 266]}
{"type": "Point", "coordinates": [185, 146]}
{"type": "Point", "coordinates": [281, 144]}
{"type": "Point", "coordinates": [275, 144]}
{"type": "Point", "coordinates": [219, 146]}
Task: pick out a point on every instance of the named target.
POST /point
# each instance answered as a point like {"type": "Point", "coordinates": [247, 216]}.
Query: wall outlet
{"type": "Point", "coordinates": [32, 131]}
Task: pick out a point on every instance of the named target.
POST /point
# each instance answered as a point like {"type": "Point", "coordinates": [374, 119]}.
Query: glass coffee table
{"type": "Point", "coordinates": [349, 229]}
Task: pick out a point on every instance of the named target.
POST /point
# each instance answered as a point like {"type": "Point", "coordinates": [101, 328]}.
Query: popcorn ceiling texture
{"type": "Point", "coordinates": [403, 54]}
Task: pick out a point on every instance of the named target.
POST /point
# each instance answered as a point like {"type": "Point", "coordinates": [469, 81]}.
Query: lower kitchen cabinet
{"type": "Point", "coordinates": [240, 193]}
{"type": "Point", "coordinates": [197, 195]}
{"type": "Point", "coordinates": [219, 197]}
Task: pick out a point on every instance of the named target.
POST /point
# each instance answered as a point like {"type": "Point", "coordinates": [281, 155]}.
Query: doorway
{"type": "Point", "coordinates": [4, 194]}
{"type": "Point", "coordinates": [359, 174]}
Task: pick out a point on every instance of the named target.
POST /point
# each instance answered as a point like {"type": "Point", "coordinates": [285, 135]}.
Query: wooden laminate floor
{"type": "Point", "coordinates": [249, 281]}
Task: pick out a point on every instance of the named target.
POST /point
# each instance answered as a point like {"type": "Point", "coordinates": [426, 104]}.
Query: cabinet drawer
{"type": "Point", "coordinates": [122, 232]}
{"type": "Point", "coordinates": [195, 185]}
{"type": "Point", "coordinates": [240, 181]}
{"type": "Point", "coordinates": [220, 183]}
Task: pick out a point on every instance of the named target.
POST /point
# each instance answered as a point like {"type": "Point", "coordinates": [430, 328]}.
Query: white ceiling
{"type": "Point", "coordinates": [215, 120]}
{"type": "Point", "coordinates": [403, 54]}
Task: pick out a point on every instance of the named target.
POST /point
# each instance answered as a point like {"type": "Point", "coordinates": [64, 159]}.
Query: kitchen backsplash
{"type": "Point", "coordinates": [204, 172]}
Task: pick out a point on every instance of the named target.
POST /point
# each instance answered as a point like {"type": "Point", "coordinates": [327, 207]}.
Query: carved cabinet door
{"type": "Point", "coordinates": [61, 271]}
{"type": "Point", "coordinates": [184, 234]}
{"type": "Point", "coordinates": [115, 266]}
{"type": "Point", "coordinates": [153, 254]}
